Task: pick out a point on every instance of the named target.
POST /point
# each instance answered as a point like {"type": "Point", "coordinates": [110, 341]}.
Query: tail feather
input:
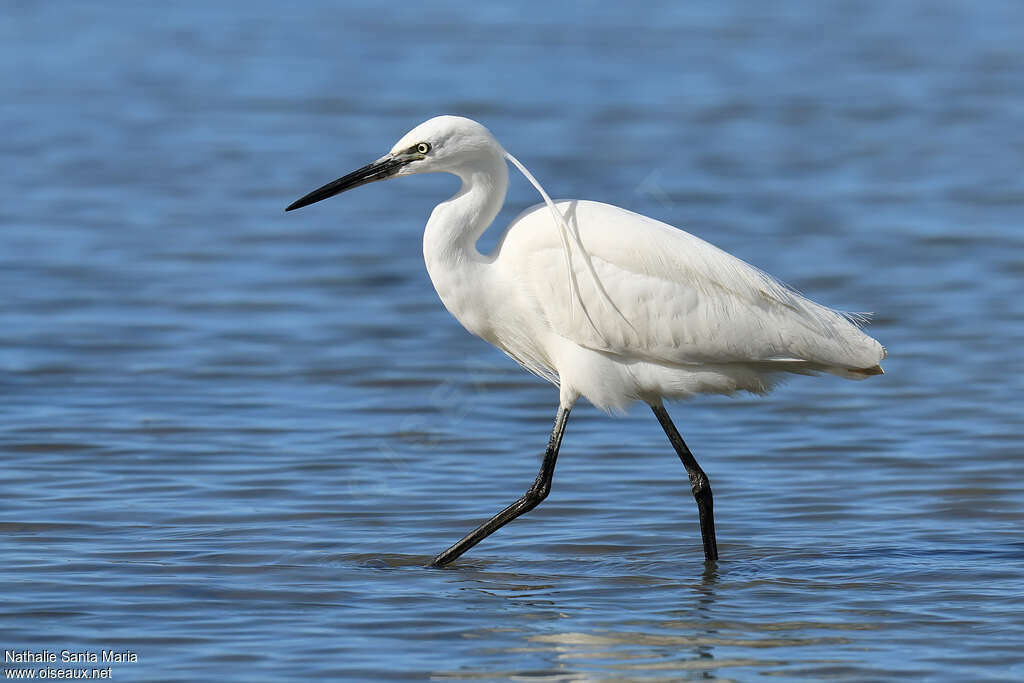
{"type": "Point", "coordinates": [867, 372]}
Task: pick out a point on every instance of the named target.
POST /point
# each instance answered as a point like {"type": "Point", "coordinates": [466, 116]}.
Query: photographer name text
{"type": "Point", "coordinates": [69, 656]}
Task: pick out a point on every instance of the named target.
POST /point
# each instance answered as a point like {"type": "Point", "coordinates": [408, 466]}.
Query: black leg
{"type": "Point", "coordinates": [699, 483]}
{"type": "Point", "coordinates": [531, 499]}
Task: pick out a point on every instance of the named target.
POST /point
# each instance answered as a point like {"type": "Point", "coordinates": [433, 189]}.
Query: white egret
{"type": "Point", "coordinates": [605, 303]}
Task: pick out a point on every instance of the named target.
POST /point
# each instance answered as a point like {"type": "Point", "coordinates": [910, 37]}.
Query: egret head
{"type": "Point", "coordinates": [443, 143]}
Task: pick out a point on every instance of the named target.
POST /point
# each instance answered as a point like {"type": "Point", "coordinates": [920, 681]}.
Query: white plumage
{"type": "Point", "coordinates": [677, 315]}
{"type": "Point", "coordinates": [655, 313]}
{"type": "Point", "coordinates": [606, 303]}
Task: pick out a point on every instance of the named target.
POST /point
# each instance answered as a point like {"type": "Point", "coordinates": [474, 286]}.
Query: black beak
{"type": "Point", "coordinates": [382, 169]}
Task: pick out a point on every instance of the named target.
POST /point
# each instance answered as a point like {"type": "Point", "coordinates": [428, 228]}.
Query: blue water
{"type": "Point", "coordinates": [231, 439]}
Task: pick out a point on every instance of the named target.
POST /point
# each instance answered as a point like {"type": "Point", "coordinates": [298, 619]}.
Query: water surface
{"type": "Point", "coordinates": [232, 439]}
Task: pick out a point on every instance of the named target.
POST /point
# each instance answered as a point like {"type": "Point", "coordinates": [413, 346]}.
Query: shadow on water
{"type": "Point", "coordinates": [691, 639]}
{"type": "Point", "coordinates": [556, 610]}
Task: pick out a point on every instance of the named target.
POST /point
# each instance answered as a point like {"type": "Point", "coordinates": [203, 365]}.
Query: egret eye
{"type": "Point", "coordinates": [423, 148]}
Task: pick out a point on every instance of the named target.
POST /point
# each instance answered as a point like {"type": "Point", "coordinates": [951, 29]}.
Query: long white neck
{"type": "Point", "coordinates": [457, 269]}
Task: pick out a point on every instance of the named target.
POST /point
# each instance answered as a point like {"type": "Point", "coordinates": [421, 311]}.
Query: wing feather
{"type": "Point", "coordinates": [648, 291]}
